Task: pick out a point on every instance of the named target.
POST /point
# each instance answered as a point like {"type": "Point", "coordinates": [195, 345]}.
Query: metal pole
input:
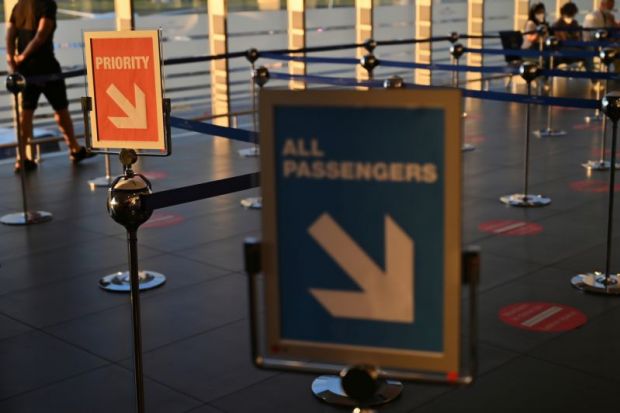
{"type": "Point", "coordinates": [610, 212]}
{"type": "Point", "coordinates": [132, 241]}
{"type": "Point", "coordinates": [22, 156]}
{"type": "Point", "coordinates": [604, 127]}
{"type": "Point", "coordinates": [527, 142]}
{"type": "Point", "coordinates": [549, 111]}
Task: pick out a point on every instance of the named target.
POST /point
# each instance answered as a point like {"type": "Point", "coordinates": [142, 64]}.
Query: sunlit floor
{"type": "Point", "coordinates": [65, 344]}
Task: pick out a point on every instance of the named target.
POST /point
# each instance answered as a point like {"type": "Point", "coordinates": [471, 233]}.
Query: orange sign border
{"type": "Point", "coordinates": [95, 143]}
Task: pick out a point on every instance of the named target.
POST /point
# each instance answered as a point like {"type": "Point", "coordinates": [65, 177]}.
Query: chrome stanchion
{"type": "Point", "coordinates": [552, 44]}
{"type": "Point", "coordinates": [15, 84]}
{"type": "Point", "coordinates": [252, 56]}
{"type": "Point", "coordinates": [260, 77]}
{"type": "Point", "coordinates": [528, 71]}
{"type": "Point", "coordinates": [607, 57]}
{"type": "Point", "coordinates": [456, 51]}
{"type": "Point", "coordinates": [606, 282]}
{"type": "Point", "coordinates": [125, 207]}
{"type": "Point", "coordinates": [369, 62]}
{"type": "Point", "coordinates": [599, 35]}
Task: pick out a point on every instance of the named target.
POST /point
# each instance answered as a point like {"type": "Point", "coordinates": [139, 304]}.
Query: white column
{"type": "Point", "coordinates": [363, 31]}
{"type": "Point", "coordinates": [296, 11]}
{"type": "Point", "coordinates": [423, 30]}
{"type": "Point", "coordinates": [475, 26]}
{"type": "Point", "coordinates": [217, 11]}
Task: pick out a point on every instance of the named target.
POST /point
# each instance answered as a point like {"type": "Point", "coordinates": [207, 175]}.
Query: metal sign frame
{"type": "Point", "coordinates": [160, 147]}
{"type": "Point", "coordinates": [331, 357]}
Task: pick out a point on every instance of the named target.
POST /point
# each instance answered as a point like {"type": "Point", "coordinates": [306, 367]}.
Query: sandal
{"type": "Point", "coordinates": [29, 165]}
{"type": "Point", "coordinates": [81, 154]}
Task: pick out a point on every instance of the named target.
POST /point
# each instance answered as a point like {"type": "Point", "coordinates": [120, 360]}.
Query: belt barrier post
{"type": "Point", "coordinates": [599, 36]}
{"type": "Point", "coordinates": [125, 207]}
{"type": "Point", "coordinates": [528, 71]}
{"type": "Point", "coordinates": [252, 56]}
{"type": "Point", "coordinates": [456, 51]}
{"type": "Point", "coordinates": [597, 282]}
{"type": "Point", "coordinates": [607, 57]}
{"type": "Point", "coordinates": [369, 62]}
{"type": "Point", "coordinates": [552, 43]}
{"type": "Point", "coordinates": [16, 83]}
{"type": "Point", "coordinates": [260, 77]}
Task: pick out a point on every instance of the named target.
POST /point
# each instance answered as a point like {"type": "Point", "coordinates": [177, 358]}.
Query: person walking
{"type": "Point", "coordinates": [30, 51]}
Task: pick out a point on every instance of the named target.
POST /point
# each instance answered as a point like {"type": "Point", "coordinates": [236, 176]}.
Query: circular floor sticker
{"type": "Point", "coordinates": [155, 175]}
{"type": "Point", "coordinates": [592, 185]}
{"type": "Point", "coordinates": [594, 126]}
{"type": "Point", "coordinates": [510, 227]}
{"type": "Point", "coordinates": [544, 317]}
{"type": "Point", "coordinates": [474, 139]}
{"type": "Point", "coordinates": [162, 220]}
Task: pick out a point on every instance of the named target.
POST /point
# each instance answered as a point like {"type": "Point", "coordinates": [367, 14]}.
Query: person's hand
{"type": "Point", "coordinates": [19, 59]}
{"type": "Point", "coordinates": [10, 63]}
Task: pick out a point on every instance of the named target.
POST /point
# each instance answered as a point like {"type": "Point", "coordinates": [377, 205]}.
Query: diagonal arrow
{"type": "Point", "coordinates": [136, 114]}
{"type": "Point", "coordinates": [386, 295]}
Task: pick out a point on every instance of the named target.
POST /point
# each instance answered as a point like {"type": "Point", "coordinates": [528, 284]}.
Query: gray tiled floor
{"type": "Point", "coordinates": [65, 344]}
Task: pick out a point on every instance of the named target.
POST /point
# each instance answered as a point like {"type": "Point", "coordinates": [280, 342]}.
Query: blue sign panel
{"type": "Point", "coordinates": [359, 197]}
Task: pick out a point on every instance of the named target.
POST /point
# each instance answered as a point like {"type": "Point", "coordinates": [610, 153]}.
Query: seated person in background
{"type": "Point", "coordinates": [598, 19]}
{"type": "Point", "coordinates": [566, 27]}
{"type": "Point", "coordinates": [536, 17]}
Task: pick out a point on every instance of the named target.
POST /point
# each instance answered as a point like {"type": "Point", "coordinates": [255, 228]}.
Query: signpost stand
{"type": "Point", "coordinates": [125, 208]}
{"type": "Point", "coordinates": [123, 66]}
{"type": "Point", "coordinates": [597, 282]}
{"type": "Point", "coordinates": [370, 292]}
{"type": "Point", "coordinates": [15, 83]}
{"type": "Point", "coordinates": [529, 71]}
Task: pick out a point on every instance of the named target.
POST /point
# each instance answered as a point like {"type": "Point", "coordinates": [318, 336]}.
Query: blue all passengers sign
{"type": "Point", "coordinates": [361, 195]}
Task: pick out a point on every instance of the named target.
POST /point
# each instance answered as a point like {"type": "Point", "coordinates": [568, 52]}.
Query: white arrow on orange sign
{"type": "Point", "coordinates": [386, 295]}
{"type": "Point", "coordinates": [136, 114]}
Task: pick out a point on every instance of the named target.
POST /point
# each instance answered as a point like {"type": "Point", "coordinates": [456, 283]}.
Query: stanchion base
{"type": "Point", "coordinates": [599, 165]}
{"type": "Point", "coordinates": [119, 282]}
{"type": "Point", "coordinates": [467, 147]}
{"type": "Point", "coordinates": [252, 202]}
{"type": "Point", "coordinates": [101, 182]}
{"type": "Point", "coordinates": [525, 201]}
{"type": "Point", "coordinates": [549, 133]}
{"type": "Point", "coordinates": [29, 218]}
{"type": "Point", "coordinates": [329, 390]}
{"type": "Point", "coordinates": [595, 282]}
{"type": "Point", "coordinates": [594, 118]}
{"type": "Point", "coordinates": [249, 152]}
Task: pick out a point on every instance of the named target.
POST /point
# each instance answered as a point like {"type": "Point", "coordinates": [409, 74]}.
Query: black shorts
{"type": "Point", "coordinates": [55, 92]}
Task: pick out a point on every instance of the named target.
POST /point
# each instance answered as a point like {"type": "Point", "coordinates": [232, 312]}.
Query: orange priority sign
{"type": "Point", "coordinates": [124, 83]}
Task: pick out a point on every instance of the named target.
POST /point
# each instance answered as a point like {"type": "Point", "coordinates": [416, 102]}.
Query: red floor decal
{"type": "Point", "coordinates": [588, 126]}
{"type": "Point", "coordinates": [545, 317]}
{"type": "Point", "coordinates": [163, 220]}
{"type": "Point", "coordinates": [474, 139]}
{"type": "Point", "coordinates": [596, 153]}
{"type": "Point", "coordinates": [155, 175]}
{"type": "Point", "coordinates": [592, 185]}
{"type": "Point", "coordinates": [510, 227]}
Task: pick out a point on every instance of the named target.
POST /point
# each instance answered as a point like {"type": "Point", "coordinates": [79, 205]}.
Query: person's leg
{"type": "Point", "coordinates": [65, 124]}
{"type": "Point", "coordinates": [26, 116]}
